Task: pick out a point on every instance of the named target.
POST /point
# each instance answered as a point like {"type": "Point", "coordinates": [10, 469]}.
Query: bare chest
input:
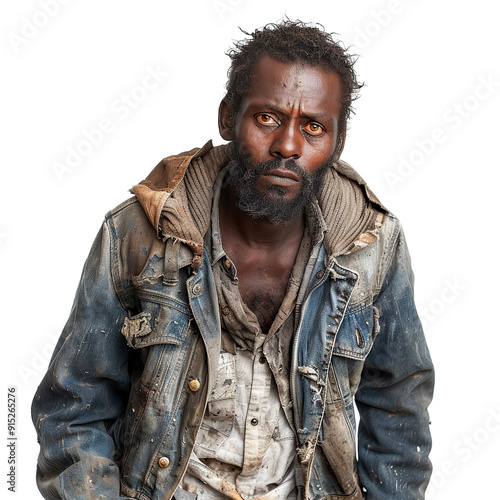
{"type": "Point", "coordinates": [262, 287]}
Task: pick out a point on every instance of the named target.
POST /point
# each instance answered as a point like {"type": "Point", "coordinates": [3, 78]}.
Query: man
{"type": "Point", "coordinates": [231, 312]}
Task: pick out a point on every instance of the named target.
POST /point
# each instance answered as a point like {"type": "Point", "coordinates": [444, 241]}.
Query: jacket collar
{"type": "Point", "coordinates": [177, 195]}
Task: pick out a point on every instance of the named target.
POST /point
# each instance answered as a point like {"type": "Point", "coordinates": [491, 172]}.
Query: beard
{"type": "Point", "coordinates": [271, 205]}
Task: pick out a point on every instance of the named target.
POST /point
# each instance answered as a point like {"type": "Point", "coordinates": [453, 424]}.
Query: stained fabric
{"type": "Point", "coordinates": [177, 198]}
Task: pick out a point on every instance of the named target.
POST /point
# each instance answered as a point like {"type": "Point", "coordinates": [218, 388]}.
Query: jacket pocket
{"type": "Point", "coordinates": [357, 333]}
{"type": "Point", "coordinates": [169, 326]}
{"type": "Point", "coordinates": [162, 338]}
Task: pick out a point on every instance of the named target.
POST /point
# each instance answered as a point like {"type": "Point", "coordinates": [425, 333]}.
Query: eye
{"type": "Point", "coordinates": [314, 128]}
{"type": "Point", "coordinates": [265, 119]}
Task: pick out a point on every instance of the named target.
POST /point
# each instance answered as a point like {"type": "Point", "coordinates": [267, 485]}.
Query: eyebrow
{"type": "Point", "coordinates": [277, 109]}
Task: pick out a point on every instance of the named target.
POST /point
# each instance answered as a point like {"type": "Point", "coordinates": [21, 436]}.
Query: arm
{"type": "Point", "coordinates": [395, 391]}
{"type": "Point", "coordinates": [84, 391]}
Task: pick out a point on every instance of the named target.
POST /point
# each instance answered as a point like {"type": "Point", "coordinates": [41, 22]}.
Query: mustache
{"type": "Point", "coordinates": [289, 164]}
{"type": "Point", "coordinates": [253, 170]}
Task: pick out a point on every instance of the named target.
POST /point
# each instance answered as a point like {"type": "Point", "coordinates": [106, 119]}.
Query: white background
{"type": "Point", "coordinates": [425, 137]}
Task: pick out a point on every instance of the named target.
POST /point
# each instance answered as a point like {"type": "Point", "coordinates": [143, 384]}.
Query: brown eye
{"type": "Point", "coordinates": [314, 128]}
{"type": "Point", "coordinates": [266, 119]}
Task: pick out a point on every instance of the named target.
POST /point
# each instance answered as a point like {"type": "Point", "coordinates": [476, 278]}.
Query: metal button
{"type": "Point", "coordinates": [254, 421]}
{"type": "Point", "coordinates": [320, 274]}
{"type": "Point", "coordinates": [163, 462]}
{"type": "Point", "coordinates": [227, 263]}
{"type": "Point", "coordinates": [194, 385]}
{"type": "Point", "coordinates": [226, 311]}
{"type": "Point", "coordinates": [262, 359]}
{"type": "Point", "coordinates": [197, 289]}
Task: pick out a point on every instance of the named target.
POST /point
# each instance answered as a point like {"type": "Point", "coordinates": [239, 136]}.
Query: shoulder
{"type": "Point", "coordinates": [128, 217]}
{"type": "Point", "coordinates": [373, 261]}
{"type": "Point", "coordinates": [133, 239]}
{"type": "Point", "coordinates": [126, 207]}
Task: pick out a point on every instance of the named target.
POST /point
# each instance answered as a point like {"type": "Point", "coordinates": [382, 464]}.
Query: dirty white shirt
{"type": "Point", "coordinates": [246, 444]}
{"type": "Point", "coordinates": [245, 447]}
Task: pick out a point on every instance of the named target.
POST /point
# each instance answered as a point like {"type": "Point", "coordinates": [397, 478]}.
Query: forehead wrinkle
{"type": "Point", "coordinates": [290, 107]}
{"type": "Point", "coordinates": [301, 96]}
{"type": "Point", "coordinates": [295, 90]}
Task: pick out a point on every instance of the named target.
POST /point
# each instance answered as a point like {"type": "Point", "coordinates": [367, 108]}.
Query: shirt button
{"type": "Point", "coordinates": [197, 289]}
{"type": "Point", "coordinates": [254, 421]}
{"type": "Point", "coordinates": [194, 385]}
{"type": "Point", "coordinates": [163, 462]}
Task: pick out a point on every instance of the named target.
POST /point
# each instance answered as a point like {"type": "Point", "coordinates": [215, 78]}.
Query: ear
{"type": "Point", "coordinates": [225, 125]}
{"type": "Point", "coordinates": [339, 147]}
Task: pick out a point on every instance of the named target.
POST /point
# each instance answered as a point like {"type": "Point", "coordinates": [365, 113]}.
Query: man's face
{"type": "Point", "coordinates": [285, 135]}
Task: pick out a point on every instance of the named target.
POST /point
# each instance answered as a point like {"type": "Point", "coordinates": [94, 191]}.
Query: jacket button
{"type": "Point", "coordinates": [163, 462]}
{"type": "Point", "coordinates": [254, 421]}
{"type": "Point", "coordinates": [197, 289]}
{"type": "Point", "coordinates": [194, 385]}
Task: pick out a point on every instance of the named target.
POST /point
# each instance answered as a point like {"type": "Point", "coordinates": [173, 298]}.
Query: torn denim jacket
{"type": "Point", "coordinates": [118, 411]}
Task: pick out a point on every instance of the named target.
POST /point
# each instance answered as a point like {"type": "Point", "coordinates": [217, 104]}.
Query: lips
{"type": "Point", "coordinates": [280, 176]}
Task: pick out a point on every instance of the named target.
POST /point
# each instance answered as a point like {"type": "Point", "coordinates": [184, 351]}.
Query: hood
{"type": "Point", "coordinates": [177, 198]}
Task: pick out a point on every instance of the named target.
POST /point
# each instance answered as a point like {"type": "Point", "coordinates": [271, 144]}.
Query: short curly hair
{"type": "Point", "coordinates": [291, 41]}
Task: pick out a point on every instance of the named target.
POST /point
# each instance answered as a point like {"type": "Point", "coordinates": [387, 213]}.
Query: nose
{"type": "Point", "coordinates": [287, 143]}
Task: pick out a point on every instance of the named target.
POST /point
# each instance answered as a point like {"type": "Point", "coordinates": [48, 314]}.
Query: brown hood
{"type": "Point", "coordinates": [177, 197]}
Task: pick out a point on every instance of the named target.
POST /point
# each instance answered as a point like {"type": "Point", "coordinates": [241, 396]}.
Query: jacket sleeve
{"type": "Point", "coordinates": [84, 390]}
{"type": "Point", "coordinates": [395, 390]}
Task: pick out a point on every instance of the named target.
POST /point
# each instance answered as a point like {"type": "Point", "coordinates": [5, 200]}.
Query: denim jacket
{"type": "Point", "coordinates": [118, 411]}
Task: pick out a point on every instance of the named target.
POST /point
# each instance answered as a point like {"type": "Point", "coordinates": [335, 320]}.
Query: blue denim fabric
{"type": "Point", "coordinates": [360, 340]}
{"type": "Point", "coordinates": [116, 398]}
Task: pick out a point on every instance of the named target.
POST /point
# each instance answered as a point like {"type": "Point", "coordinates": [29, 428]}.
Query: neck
{"type": "Point", "coordinates": [236, 224]}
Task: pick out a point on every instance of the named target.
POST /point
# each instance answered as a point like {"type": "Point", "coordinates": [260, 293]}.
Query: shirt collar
{"type": "Point", "coordinates": [217, 250]}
